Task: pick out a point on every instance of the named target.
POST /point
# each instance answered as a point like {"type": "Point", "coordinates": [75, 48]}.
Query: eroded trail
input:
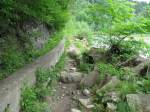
{"type": "Point", "coordinates": [66, 95]}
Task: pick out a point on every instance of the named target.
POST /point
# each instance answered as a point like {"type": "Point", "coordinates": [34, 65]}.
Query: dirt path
{"type": "Point", "coordinates": [64, 97]}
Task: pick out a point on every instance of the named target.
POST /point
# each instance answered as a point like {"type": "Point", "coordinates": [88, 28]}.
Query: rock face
{"type": "Point", "coordinates": [38, 32]}
{"type": "Point", "coordinates": [70, 77]}
{"type": "Point", "coordinates": [139, 102]}
{"type": "Point", "coordinates": [90, 79]}
{"type": "Point", "coordinates": [73, 52]}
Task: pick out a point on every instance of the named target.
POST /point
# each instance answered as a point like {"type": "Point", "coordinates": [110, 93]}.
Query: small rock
{"type": "Point", "coordinates": [111, 97]}
{"type": "Point", "coordinates": [63, 95]}
{"type": "Point", "coordinates": [75, 110]}
{"type": "Point", "coordinates": [86, 92]}
{"type": "Point", "coordinates": [78, 92]}
{"type": "Point", "coordinates": [86, 103]}
{"type": "Point", "coordinates": [63, 87]}
{"type": "Point", "coordinates": [111, 107]}
{"type": "Point", "coordinates": [60, 83]}
{"type": "Point", "coordinates": [90, 106]}
{"type": "Point", "coordinates": [73, 69]}
{"type": "Point", "coordinates": [114, 96]}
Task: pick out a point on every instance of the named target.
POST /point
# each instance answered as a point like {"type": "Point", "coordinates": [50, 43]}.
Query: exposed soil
{"type": "Point", "coordinates": [66, 94]}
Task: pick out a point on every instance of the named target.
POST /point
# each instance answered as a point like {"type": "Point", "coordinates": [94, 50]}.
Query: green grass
{"type": "Point", "coordinates": [32, 99]}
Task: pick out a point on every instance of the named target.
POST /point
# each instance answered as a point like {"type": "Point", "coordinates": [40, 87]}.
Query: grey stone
{"type": "Point", "coordinates": [90, 79]}
{"type": "Point", "coordinates": [111, 107]}
{"type": "Point", "coordinates": [73, 52]}
{"type": "Point", "coordinates": [86, 92]}
{"type": "Point", "coordinates": [111, 97]}
{"type": "Point", "coordinates": [86, 103]}
{"type": "Point", "coordinates": [97, 54]}
{"type": "Point", "coordinates": [139, 102]}
{"type": "Point", "coordinates": [70, 77]}
{"type": "Point", "coordinates": [73, 69]}
{"type": "Point", "coordinates": [111, 84]}
{"type": "Point", "coordinates": [38, 32]}
{"type": "Point", "coordinates": [75, 110]}
{"type": "Point", "coordinates": [142, 69]}
{"type": "Point", "coordinates": [115, 96]}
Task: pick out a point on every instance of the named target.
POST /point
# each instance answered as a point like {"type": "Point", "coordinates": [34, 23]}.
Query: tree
{"type": "Point", "coordinates": [117, 19]}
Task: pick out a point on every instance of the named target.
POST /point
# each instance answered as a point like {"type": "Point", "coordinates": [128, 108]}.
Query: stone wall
{"type": "Point", "coordinates": [38, 33]}
{"type": "Point", "coordinates": [10, 88]}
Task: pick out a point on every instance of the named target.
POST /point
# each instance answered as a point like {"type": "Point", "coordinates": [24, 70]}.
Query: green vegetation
{"type": "Point", "coordinates": [30, 102]}
{"type": "Point", "coordinates": [33, 98]}
{"type": "Point", "coordinates": [117, 26]}
{"type": "Point", "coordinates": [16, 45]}
{"type": "Point", "coordinates": [14, 59]}
{"type": "Point", "coordinates": [109, 69]}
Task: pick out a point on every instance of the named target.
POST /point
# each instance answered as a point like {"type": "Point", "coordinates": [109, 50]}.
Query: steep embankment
{"type": "Point", "coordinates": [26, 29]}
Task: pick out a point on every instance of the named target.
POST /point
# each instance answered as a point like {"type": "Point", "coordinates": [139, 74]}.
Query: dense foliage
{"type": "Point", "coordinates": [16, 46]}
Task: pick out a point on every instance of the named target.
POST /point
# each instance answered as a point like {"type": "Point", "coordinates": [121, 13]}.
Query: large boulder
{"type": "Point", "coordinates": [70, 77]}
{"type": "Point", "coordinates": [142, 69]}
{"type": "Point", "coordinates": [139, 102]}
{"type": "Point", "coordinates": [134, 61]}
{"type": "Point", "coordinates": [91, 79]}
{"type": "Point", "coordinates": [111, 84]}
{"type": "Point", "coordinates": [97, 54]}
{"type": "Point", "coordinates": [73, 51]}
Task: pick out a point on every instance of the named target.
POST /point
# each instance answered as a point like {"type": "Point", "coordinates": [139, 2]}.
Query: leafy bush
{"type": "Point", "coordinates": [45, 79]}
{"type": "Point", "coordinates": [52, 12]}
{"type": "Point", "coordinates": [124, 50]}
{"type": "Point", "coordinates": [33, 98]}
{"type": "Point", "coordinates": [111, 70]}
{"type": "Point", "coordinates": [30, 102]}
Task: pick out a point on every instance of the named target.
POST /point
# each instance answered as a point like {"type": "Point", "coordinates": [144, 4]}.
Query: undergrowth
{"type": "Point", "coordinates": [33, 98]}
{"type": "Point", "coordinates": [14, 59]}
